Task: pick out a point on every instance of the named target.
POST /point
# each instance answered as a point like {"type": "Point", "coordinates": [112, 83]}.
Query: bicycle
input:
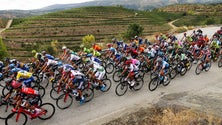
{"type": "Point", "coordinates": [20, 115]}
{"type": "Point", "coordinates": [157, 80]}
{"type": "Point", "coordinates": [123, 86]}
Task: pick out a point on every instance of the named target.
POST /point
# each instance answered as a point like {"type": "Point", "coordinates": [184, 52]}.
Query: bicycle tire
{"type": "Point", "coordinates": [122, 86]}
{"type": "Point", "coordinates": [62, 99]}
{"type": "Point", "coordinates": [53, 112]}
{"type": "Point", "coordinates": [154, 80]}
{"type": "Point", "coordinates": [15, 114]}
{"type": "Point", "coordinates": [107, 83]}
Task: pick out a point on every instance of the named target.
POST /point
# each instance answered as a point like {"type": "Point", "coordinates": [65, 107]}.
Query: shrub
{"type": "Point", "coordinates": [88, 40]}
{"type": "Point", "coordinates": [210, 21]}
{"type": "Point", "coordinates": [133, 30]}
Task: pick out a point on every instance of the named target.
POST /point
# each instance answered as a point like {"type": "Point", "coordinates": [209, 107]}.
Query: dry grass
{"type": "Point", "coordinates": [175, 115]}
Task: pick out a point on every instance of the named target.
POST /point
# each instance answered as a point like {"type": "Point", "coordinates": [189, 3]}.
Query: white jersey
{"type": "Point", "coordinates": [77, 73]}
{"type": "Point", "coordinates": [74, 57]}
{"type": "Point", "coordinates": [51, 62]}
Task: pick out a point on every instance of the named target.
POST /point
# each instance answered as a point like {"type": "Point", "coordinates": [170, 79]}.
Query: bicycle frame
{"type": "Point", "coordinates": [25, 111]}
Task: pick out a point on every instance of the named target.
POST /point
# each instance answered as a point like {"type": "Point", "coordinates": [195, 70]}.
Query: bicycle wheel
{"type": "Point", "coordinates": [121, 88]}
{"type": "Point", "coordinates": [116, 76]}
{"type": "Point", "coordinates": [49, 111]}
{"type": "Point", "coordinates": [40, 89]}
{"type": "Point", "coordinates": [166, 80]}
{"type": "Point", "coordinates": [64, 101]}
{"type": "Point", "coordinates": [199, 69]}
{"type": "Point", "coordinates": [138, 84]}
{"type": "Point", "coordinates": [153, 84]}
{"type": "Point", "coordinates": [88, 93]}
{"type": "Point", "coordinates": [183, 71]}
{"type": "Point", "coordinates": [189, 65]}
{"type": "Point", "coordinates": [208, 66]}
{"type": "Point", "coordinates": [173, 73]}
{"type": "Point", "coordinates": [220, 63]}
{"type": "Point", "coordinates": [55, 92]}
{"type": "Point", "coordinates": [107, 83]}
{"type": "Point", "coordinates": [12, 119]}
{"type": "Point", "coordinates": [109, 68]}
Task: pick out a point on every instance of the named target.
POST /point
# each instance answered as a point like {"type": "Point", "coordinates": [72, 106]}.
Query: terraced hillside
{"type": "Point", "coordinates": [69, 26]}
{"type": "Point", "coordinates": [196, 14]}
{"type": "Point", "coordinates": [3, 22]}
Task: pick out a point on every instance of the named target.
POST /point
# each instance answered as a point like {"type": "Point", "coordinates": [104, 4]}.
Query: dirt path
{"type": "Point", "coordinates": [171, 24]}
{"type": "Point", "coordinates": [7, 26]}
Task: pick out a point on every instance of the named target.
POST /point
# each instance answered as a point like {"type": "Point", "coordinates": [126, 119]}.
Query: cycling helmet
{"type": "Point", "coordinates": [128, 62]}
{"type": "Point", "coordinates": [109, 45]}
{"type": "Point", "coordinates": [33, 51]}
{"type": "Point", "coordinates": [137, 63]}
{"type": "Point", "coordinates": [113, 39]}
{"type": "Point", "coordinates": [59, 63]}
{"type": "Point", "coordinates": [159, 59]}
{"type": "Point", "coordinates": [89, 55]}
{"type": "Point", "coordinates": [13, 61]}
{"type": "Point", "coordinates": [64, 47]}
{"type": "Point", "coordinates": [16, 85]}
{"type": "Point", "coordinates": [81, 46]}
{"type": "Point", "coordinates": [14, 70]}
{"type": "Point", "coordinates": [11, 66]}
{"type": "Point", "coordinates": [43, 52]}
{"type": "Point", "coordinates": [67, 69]}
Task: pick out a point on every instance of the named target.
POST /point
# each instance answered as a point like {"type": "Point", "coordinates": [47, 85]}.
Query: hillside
{"type": "Point", "coordinates": [69, 26]}
{"type": "Point", "coordinates": [130, 4]}
{"type": "Point", "coordinates": [196, 14]}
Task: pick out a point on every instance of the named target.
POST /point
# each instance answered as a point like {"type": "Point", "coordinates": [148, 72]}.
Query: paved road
{"type": "Point", "coordinates": [106, 106]}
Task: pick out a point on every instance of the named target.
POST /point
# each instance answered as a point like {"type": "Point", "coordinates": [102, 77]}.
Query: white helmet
{"type": "Point", "coordinates": [64, 47]}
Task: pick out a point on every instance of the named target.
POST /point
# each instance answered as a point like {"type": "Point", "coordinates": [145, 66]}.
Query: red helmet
{"type": "Point", "coordinates": [128, 62]}
{"type": "Point", "coordinates": [109, 45]}
{"type": "Point", "coordinates": [16, 85]}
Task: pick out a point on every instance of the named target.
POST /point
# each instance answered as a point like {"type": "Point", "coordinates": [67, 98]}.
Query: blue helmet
{"type": "Point", "coordinates": [11, 66]}
{"type": "Point", "coordinates": [59, 63]}
{"type": "Point", "coordinates": [14, 70]}
{"type": "Point", "coordinates": [89, 55]}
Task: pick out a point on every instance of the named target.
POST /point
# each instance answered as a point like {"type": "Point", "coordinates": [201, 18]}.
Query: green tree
{"type": "Point", "coordinates": [88, 40]}
{"type": "Point", "coordinates": [133, 30]}
{"type": "Point", "coordinates": [3, 50]}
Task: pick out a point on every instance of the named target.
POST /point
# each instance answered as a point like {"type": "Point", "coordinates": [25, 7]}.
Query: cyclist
{"type": "Point", "coordinates": [97, 73]}
{"type": "Point", "coordinates": [161, 66]}
{"type": "Point", "coordinates": [26, 97]}
{"type": "Point", "coordinates": [96, 47]}
{"type": "Point", "coordinates": [132, 65]}
{"type": "Point", "coordinates": [76, 82]}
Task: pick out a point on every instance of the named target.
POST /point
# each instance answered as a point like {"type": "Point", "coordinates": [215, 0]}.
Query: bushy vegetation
{"type": "Point", "coordinates": [133, 30]}
{"type": "Point", "coordinates": [3, 50]}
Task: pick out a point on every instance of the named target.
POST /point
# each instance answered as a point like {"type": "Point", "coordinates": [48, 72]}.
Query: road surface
{"type": "Point", "coordinates": [107, 106]}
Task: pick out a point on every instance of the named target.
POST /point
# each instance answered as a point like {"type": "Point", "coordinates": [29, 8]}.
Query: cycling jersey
{"type": "Point", "coordinates": [74, 57]}
{"type": "Point", "coordinates": [49, 56]}
{"type": "Point", "coordinates": [51, 62]}
{"type": "Point", "coordinates": [97, 48]}
{"type": "Point", "coordinates": [23, 75]}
